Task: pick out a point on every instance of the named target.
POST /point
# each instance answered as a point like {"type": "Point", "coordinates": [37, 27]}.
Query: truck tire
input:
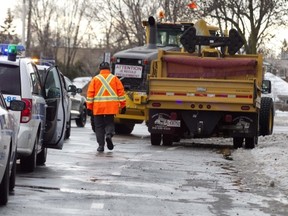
{"type": "Point", "coordinates": [155, 139]}
{"type": "Point", "coordinates": [167, 139]}
{"type": "Point", "coordinates": [266, 117]}
{"type": "Point", "coordinates": [238, 142]}
{"type": "Point", "coordinates": [125, 128]}
{"type": "Point", "coordinates": [251, 142]}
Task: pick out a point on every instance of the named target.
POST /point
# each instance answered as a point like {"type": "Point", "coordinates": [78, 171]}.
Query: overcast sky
{"type": "Point", "coordinates": [5, 4]}
{"type": "Point", "coordinates": [4, 7]}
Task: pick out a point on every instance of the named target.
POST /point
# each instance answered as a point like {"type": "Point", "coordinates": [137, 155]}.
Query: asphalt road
{"type": "Point", "coordinates": [189, 178]}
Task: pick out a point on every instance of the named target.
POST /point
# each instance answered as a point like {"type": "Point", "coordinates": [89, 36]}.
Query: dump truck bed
{"type": "Point", "coordinates": [184, 81]}
{"type": "Point", "coordinates": [181, 93]}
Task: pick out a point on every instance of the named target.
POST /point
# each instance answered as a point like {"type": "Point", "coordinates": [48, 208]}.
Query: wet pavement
{"type": "Point", "coordinates": [188, 178]}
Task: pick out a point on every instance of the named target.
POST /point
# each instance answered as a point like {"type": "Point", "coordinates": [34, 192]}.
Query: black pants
{"type": "Point", "coordinates": [104, 126]}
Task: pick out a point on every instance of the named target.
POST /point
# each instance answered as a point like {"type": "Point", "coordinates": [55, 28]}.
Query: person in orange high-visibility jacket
{"type": "Point", "coordinates": [105, 98]}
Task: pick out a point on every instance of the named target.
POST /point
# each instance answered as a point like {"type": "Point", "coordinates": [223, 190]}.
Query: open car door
{"type": "Point", "coordinates": [54, 94]}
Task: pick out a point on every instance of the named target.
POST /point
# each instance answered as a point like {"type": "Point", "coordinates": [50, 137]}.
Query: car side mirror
{"type": "Point", "coordinates": [72, 89]}
{"type": "Point", "coordinates": [266, 86]}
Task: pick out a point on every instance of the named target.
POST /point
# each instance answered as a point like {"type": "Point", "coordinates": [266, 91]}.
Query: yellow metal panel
{"type": "Point", "coordinates": [213, 106]}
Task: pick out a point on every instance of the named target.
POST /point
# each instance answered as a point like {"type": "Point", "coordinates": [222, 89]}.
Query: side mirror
{"type": "Point", "coordinates": [266, 86]}
{"type": "Point", "coordinates": [72, 88]}
{"type": "Point", "coordinates": [79, 90]}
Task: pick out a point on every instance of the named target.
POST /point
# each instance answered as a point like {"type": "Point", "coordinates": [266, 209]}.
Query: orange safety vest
{"type": "Point", "coordinates": [105, 94]}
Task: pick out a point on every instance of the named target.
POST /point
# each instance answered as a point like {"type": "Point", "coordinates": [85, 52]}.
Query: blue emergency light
{"type": "Point", "coordinates": [11, 50]}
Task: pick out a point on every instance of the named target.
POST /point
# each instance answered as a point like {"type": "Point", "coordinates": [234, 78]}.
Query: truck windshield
{"type": "Point", "coordinates": [169, 34]}
{"type": "Point", "coordinates": [168, 38]}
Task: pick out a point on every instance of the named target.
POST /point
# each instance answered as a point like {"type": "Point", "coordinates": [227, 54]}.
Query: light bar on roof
{"type": "Point", "coordinates": [11, 50]}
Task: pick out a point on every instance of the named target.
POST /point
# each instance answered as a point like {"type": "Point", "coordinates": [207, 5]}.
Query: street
{"type": "Point", "coordinates": [189, 178]}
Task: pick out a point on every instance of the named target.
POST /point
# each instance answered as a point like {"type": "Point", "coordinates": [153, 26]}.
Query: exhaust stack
{"type": "Point", "coordinates": [152, 33]}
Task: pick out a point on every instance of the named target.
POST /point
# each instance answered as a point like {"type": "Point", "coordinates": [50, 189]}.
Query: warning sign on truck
{"type": "Point", "coordinates": [130, 71]}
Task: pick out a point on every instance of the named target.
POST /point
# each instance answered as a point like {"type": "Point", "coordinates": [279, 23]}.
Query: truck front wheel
{"type": "Point", "coordinates": [125, 128]}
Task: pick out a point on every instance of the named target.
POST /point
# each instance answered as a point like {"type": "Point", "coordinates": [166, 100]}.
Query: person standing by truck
{"type": "Point", "coordinates": [105, 97]}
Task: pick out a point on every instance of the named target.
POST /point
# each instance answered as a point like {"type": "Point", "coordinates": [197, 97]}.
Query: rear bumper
{"type": "Point", "coordinates": [203, 124]}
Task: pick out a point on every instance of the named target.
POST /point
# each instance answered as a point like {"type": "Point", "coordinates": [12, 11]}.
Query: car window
{"type": "Point", "coordinates": [52, 84]}
{"type": "Point", "coordinates": [10, 79]}
{"type": "Point", "coordinates": [36, 85]}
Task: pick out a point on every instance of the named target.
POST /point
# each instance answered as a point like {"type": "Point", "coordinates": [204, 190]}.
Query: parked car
{"type": "Point", "coordinates": [44, 70]}
{"type": "Point", "coordinates": [43, 121]}
{"type": "Point", "coordinates": [78, 108]}
{"type": "Point", "coordinates": [8, 146]}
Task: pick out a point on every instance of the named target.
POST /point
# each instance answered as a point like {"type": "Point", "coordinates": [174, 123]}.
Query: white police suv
{"type": "Point", "coordinates": [42, 122]}
{"type": "Point", "coordinates": [9, 128]}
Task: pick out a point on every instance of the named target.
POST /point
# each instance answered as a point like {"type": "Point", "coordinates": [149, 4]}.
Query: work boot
{"type": "Point", "coordinates": [109, 142]}
{"type": "Point", "coordinates": [100, 149]}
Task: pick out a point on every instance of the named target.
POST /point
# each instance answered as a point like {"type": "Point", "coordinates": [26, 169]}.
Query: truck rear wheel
{"type": "Point", "coordinates": [238, 142]}
{"type": "Point", "coordinates": [155, 139]}
{"type": "Point", "coordinates": [167, 139]}
{"type": "Point", "coordinates": [251, 142]}
{"type": "Point", "coordinates": [266, 117]}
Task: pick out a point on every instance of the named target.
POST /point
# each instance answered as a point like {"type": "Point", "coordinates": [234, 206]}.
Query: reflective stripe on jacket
{"type": "Point", "coordinates": [105, 94]}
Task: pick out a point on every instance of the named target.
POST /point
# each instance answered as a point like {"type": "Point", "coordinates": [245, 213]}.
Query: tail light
{"type": "Point", "coordinates": [26, 114]}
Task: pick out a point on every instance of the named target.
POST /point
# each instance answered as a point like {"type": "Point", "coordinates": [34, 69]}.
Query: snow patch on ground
{"type": "Point", "coordinates": [270, 156]}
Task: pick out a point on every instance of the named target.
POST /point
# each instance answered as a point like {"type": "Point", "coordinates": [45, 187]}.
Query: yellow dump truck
{"type": "Point", "coordinates": [133, 65]}
{"type": "Point", "coordinates": [209, 91]}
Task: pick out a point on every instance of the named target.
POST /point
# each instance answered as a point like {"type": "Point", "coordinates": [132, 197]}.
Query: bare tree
{"type": "Point", "coordinates": [73, 25]}
{"type": "Point", "coordinates": [284, 49]}
{"type": "Point", "coordinates": [122, 22]}
{"type": "Point", "coordinates": [254, 19]}
{"type": "Point", "coordinates": [43, 12]}
{"type": "Point", "coordinates": [29, 27]}
{"type": "Point", "coordinates": [177, 11]}
{"type": "Point", "coordinates": [7, 29]}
